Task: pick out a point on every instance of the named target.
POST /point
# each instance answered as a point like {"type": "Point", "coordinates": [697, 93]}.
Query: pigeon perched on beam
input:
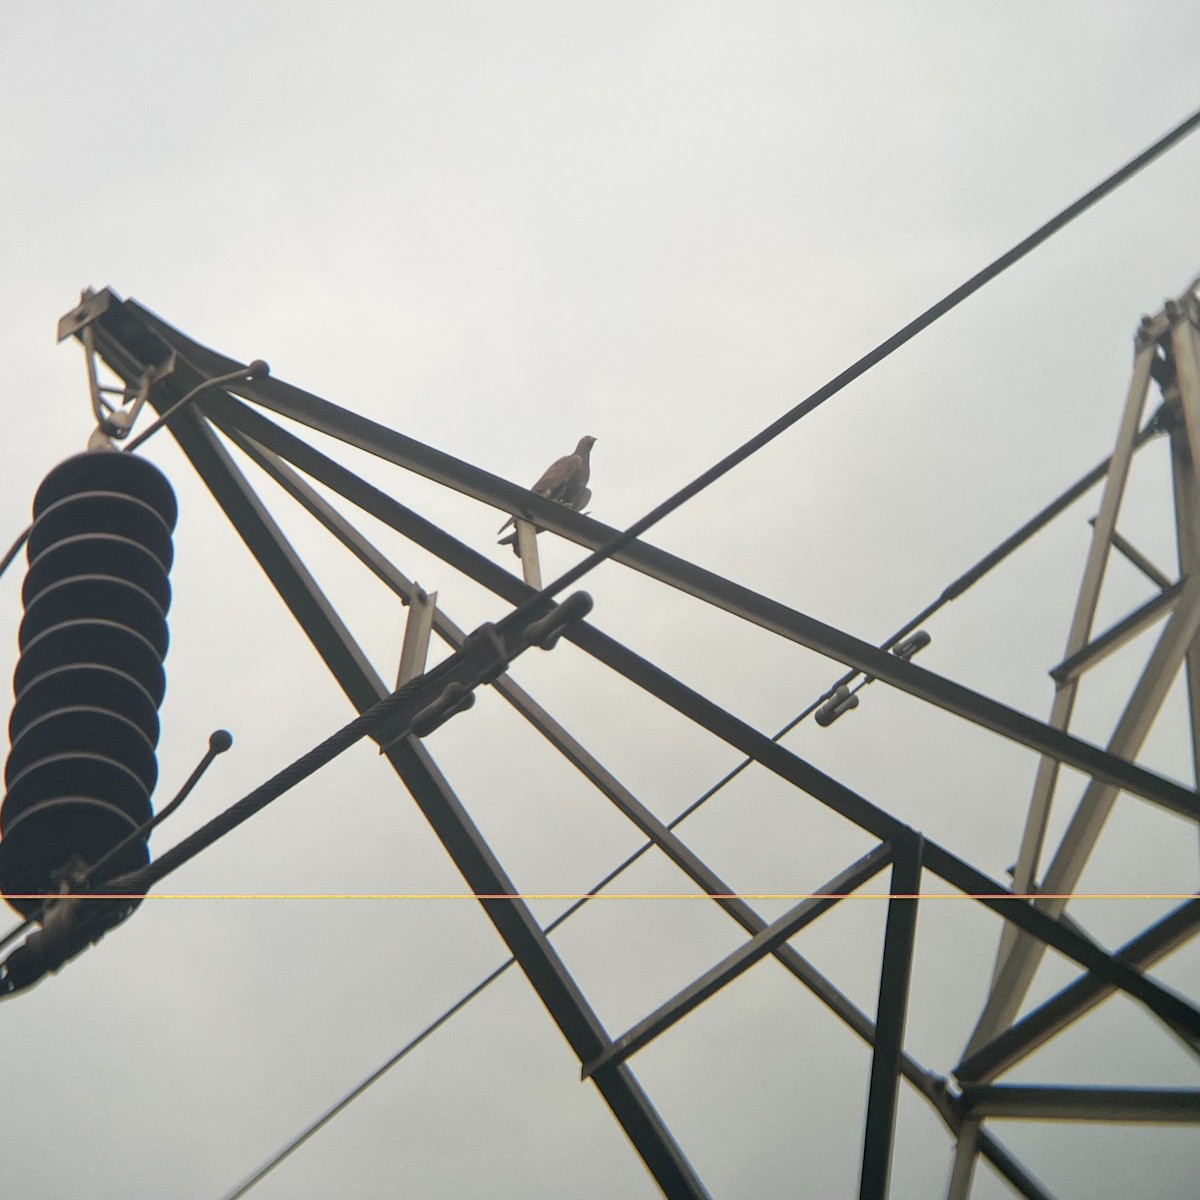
{"type": "Point", "coordinates": [564, 482]}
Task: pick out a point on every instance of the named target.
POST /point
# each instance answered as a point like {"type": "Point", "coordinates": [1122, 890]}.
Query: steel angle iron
{"type": "Point", "coordinates": [89, 680]}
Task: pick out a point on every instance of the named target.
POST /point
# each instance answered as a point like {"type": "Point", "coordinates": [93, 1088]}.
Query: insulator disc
{"type": "Point", "coordinates": [91, 684]}
{"type": "Point", "coordinates": [90, 730]}
{"type": "Point", "coordinates": [93, 641]}
{"type": "Point", "coordinates": [94, 775]}
{"type": "Point", "coordinates": [89, 680]}
{"type": "Point", "coordinates": [102, 512]}
{"type": "Point", "coordinates": [109, 472]}
{"type": "Point", "coordinates": [97, 554]}
{"type": "Point", "coordinates": [96, 596]}
{"type": "Point", "coordinates": [48, 835]}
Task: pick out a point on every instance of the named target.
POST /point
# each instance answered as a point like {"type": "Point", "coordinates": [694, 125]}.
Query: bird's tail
{"type": "Point", "coordinates": [510, 521]}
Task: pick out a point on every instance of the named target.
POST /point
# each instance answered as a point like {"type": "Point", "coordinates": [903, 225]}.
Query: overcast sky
{"type": "Point", "coordinates": [497, 227]}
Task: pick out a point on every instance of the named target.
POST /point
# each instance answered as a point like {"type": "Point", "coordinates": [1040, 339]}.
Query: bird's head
{"type": "Point", "coordinates": [585, 446]}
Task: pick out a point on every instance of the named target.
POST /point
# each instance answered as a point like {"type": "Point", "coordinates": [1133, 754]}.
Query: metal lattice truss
{"type": "Point", "coordinates": [139, 347]}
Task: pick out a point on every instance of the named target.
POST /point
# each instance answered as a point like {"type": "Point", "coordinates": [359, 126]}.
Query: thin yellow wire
{"type": "Point", "coordinates": [625, 896]}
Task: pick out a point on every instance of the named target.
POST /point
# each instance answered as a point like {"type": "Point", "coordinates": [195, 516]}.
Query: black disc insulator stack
{"type": "Point", "coordinates": [89, 681]}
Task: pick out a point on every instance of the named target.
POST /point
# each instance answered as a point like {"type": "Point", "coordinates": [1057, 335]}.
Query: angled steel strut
{"type": "Point", "coordinates": [132, 341]}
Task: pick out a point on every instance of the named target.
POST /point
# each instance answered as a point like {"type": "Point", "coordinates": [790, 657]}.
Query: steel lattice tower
{"type": "Point", "coordinates": [138, 346]}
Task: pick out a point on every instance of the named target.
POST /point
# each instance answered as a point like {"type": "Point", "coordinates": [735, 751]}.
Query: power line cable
{"type": "Point", "coordinates": [258, 799]}
{"type": "Point", "coordinates": [15, 549]}
{"type": "Point", "coordinates": [347, 736]}
{"type": "Point", "coordinates": [446, 689]}
{"type": "Point", "coordinates": [859, 368]}
{"type": "Point", "coordinates": [355, 730]}
{"type": "Point", "coordinates": [951, 592]}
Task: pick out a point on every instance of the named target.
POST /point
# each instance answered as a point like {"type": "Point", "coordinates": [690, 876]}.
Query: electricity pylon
{"type": "Point", "coordinates": [150, 356]}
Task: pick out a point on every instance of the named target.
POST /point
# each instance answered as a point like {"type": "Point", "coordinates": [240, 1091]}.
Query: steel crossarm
{"type": "Point", "coordinates": [130, 364]}
{"type": "Point", "coordinates": [377, 439]}
{"type": "Point", "coordinates": [1171, 1008]}
{"type": "Point", "coordinates": [707, 714]}
{"type": "Point", "coordinates": [641, 1122]}
{"type": "Point", "coordinates": [1086, 757]}
{"type": "Point", "coordinates": [531, 948]}
{"type": "Point", "coordinates": [129, 345]}
{"type": "Point", "coordinates": [836, 795]}
{"type": "Point", "coordinates": [926, 1084]}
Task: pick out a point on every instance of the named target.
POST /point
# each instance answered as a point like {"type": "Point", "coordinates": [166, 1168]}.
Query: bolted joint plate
{"type": "Point", "coordinates": [91, 306]}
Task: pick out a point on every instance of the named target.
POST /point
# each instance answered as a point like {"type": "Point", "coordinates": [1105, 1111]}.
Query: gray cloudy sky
{"type": "Point", "coordinates": [496, 227]}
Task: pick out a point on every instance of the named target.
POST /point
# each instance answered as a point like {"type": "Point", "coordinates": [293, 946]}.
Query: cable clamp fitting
{"type": "Point", "coordinates": [69, 926]}
{"type": "Point", "coordinates": [483, 658]}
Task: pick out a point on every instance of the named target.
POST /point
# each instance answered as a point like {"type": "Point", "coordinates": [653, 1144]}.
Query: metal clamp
{"type": "Point", "coordinates": [449, 688]}
{"type": "Point", "coordinates": [69, 926]}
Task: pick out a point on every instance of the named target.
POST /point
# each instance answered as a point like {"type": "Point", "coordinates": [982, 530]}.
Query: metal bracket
{"type": "Point", "coordinates": [1152, 329]}
{"type": "Point", "coordinates": [116, 420]}
{"type": "Point", "coordinates": [91, 306]}
{"type": "Point", "coordinates": [526, 547]}
{"type": "Point", "coordinates": [69, 926]}
{"type": "Point", "coordinates": [415, 650]}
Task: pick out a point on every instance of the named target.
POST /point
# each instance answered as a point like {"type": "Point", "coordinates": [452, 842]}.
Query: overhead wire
{"type": "Point", "coordinates": [358, 728]}
{"type": "Point", "coordinates": [952, 591]}
{"type": "Point", "coordinates": [872, 358]}
{"type": "Point", "coordinates": [15, 549]}
{"type": "Point", "coordinates": [255, 801]}
{"type": "Point", "coordinates": [288, 777]}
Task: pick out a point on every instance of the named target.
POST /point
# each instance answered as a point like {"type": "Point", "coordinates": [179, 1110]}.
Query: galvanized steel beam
{"type": "Point", "coordinates": [1013, 980]}
{"type": "Point", "coordinates": [1103, 529]}
{"type": "Point", "coordinates": [1159, 1106]}
{"type": "Point", "coordinates": [512, 919]}
{"type": "Point", "coordinates": [1011, 1170]}
{"type": "Point", "coordinates": [898, 940]}
{"type": "Point", "coordinates": [394, 447]}
{"type": "Point", "coordinates": [550, 978]}
{"type": "Point", "coordinates": [742, 959]}
{"type": "Point", "coordinates": [1036, 1028]}
{"type": "Point", "coordinates": [966, 1155]}
{"type": "Point", "coordinates": [1124, 547]}
{"type": "Point", "coordinates": [148, 348]}
{"type": "Point", "coordinates": [710, 716]}
{"type": "Point", "coordinates": [1111, 640]}
{"type": "Point", "coordinates": [1048, 931]}
{"type": "Point", "coordinates": [927, 1084]}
